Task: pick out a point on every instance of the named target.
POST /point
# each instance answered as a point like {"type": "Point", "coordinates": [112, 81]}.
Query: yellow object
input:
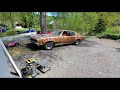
{"type": "Point", "coordinates": [31, 60]}
{"type": "Point", "coordinates": [29, 76]}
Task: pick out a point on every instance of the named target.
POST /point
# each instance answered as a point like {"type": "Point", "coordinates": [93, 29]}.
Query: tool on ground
{"type": "Point", "coordinates": [30, 71]}
{"type": "Point", "coordinates": [43, 66]}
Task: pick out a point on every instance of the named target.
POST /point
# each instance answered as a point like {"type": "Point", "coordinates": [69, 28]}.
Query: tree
{"type": "Point", "coordinates": [100, 26]}
{"type": "Point", "coordinates": [43, 22]}
{"type": "Point", "coordinates": [81, 22]}
{"type": "Point", "coordinates": [12, 22]}
{"type": "Point", "coordinates": [27, 19]}
{"type": "Point", "coordinates": [5, 19]}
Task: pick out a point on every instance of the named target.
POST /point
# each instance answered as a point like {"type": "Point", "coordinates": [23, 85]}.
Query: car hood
{"type": "Point", "coordinates": [38, 36]}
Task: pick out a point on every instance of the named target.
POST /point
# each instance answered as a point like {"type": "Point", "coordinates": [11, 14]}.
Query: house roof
{"type": "Point", "coordinates": [4, 68]}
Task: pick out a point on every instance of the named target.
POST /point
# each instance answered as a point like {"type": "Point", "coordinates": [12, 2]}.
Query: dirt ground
{"type": "Point", "coordinates": [92, 58]}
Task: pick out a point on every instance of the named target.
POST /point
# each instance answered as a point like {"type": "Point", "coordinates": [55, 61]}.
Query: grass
{"type": "Point", "coordinates": [18, 51]}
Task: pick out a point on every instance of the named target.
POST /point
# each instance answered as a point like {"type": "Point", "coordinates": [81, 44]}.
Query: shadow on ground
{"type": "Point", "coordinates": [16, 74]}
{"type": "Point", "coordinates": [118, 49]}
{"type": "Point", "coordinates": [87, 43]}
{"type": "Point", "coordinates": [33, 47]}
{"type": "Point", "coordinates": [63, 45]}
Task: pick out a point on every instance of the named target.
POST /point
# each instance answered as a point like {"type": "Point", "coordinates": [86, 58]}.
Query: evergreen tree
{"type": "Point", "coordinates": [100, 26]}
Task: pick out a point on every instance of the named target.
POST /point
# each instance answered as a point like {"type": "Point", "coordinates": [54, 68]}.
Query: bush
{"type": "Point", "coordinates": [8, 28]}
{"type": "Point", "coordinates": [114, 30]}
{"type": "Point", "coordinates": [109, 36]}
{"type": "Point", "coordinates": [3, 25]}
{"type": "Point", "coordinates": [111, 33]}
{"type": "Point", "coordinates": [8, 33]}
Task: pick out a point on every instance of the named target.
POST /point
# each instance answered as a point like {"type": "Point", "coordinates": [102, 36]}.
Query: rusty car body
{"type": "Point", "coordinates": [57, 37]}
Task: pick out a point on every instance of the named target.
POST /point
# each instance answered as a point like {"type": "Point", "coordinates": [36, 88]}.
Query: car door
{"type": "Point", "coordinates": [65, 37]}
{"type": "Point", "coordinates": [71, 37]}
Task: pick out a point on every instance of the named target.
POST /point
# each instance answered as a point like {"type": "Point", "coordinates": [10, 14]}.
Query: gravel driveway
{"type": "Point", "coordinates": [93, 58]}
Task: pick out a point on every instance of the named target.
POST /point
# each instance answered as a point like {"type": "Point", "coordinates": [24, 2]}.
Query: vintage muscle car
{"type": "Point", "coordinates": [48, 41]}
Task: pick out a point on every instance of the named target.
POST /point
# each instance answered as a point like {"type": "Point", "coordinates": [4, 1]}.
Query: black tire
{"type": "Point", "coordinates": [77, 42]}
{"type": "Point", "coordinates": [49, 45]}
{"type": "Point", "coordinates": [18, 32]}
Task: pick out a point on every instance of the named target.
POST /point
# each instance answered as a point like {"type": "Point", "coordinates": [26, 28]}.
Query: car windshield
{"type": "Point", "coordinates": [56, 32]}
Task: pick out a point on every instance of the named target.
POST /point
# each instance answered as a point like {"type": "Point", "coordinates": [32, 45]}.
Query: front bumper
{"type": "Point", "coordinates": [35, 43]}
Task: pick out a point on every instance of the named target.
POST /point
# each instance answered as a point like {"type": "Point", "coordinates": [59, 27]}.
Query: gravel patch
{"type": "Point", "coordinates": [92, 58]}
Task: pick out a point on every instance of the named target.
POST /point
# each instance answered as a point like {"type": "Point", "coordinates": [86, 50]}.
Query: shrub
{"type": "Point", "coordinates": [3, 25]}
{"type": "Point", "coordinates": [8, 33]}
{"type": "Point", "coordinates": [100, 27]}
{"type": "Point", "coordinates": [114, 30]}
{"type": "Point", "coordinates": [8, 28]}
{"type": "Point", "coordinates": [110, 36]}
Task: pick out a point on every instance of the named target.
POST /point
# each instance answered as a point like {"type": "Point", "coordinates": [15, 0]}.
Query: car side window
{"type": "Point", "coordinates": [72, 33]}
{"type": "Point", "coordinates": [64, 33]}
{"type": "Point", "coordinates": [68, 33]}
{"type": "Point", "coordinates": [59, 32]}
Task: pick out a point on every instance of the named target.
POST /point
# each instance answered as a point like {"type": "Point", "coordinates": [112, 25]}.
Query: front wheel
{"type": "Point", "coordinates": [18, 32]}
{"type": "Point", "coordinates": [77, 42]}
{"type": "Point", "coordinates": [49, 45]}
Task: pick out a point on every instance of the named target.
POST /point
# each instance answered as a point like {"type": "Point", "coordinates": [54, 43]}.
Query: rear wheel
{"type": "Point", "coordinates": [49, 45]}
{"type": "Point", "coordinates": [77, 42]}
{"type": "Point", "coordinates": [18, 32]}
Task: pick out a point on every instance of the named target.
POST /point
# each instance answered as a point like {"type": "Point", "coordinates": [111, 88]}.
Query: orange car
{"type": "Point", "coordinates": [57, 37]}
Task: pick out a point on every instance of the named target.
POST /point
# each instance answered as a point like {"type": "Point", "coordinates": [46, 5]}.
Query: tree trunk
{"type": "Point", "coordinates": [12, 23]}
{"type": "Point", "coordinates": [43, 22]}
{"type": "Point", "coordinates": [0, 29]}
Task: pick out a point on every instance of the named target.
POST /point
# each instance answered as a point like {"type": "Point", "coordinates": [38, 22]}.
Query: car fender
{"type": "Point", "coordinates": [45, 40]}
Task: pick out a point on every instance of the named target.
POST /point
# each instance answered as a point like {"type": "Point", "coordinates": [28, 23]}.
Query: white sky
{"type": "Point", "coordinates": [48, 13]}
